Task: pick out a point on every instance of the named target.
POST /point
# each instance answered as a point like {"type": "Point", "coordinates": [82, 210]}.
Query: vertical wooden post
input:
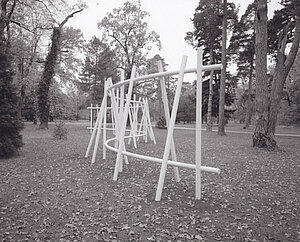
{"type": "Point", "coordinates": [170, 131]}
{"type": "Point", "coordinates": [91, 119]}
{"type": "Point", "coordinates": [167, 116]}
{"type": "Point", "coordinates": [123, 127]}
{"type": "Point", "coordinates": [198, 123]}
{"type": "Point", "coordinates": [104, 122]}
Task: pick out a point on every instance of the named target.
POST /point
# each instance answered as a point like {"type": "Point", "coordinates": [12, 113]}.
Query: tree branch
{"type": "Point", "coordinates": [295, 45]}
{"type": "Point", "coordinates": [68, 17]}
{"type": "Point", "coordinates": [116, 39]}
{"type": "Point", "coordinates": [12, 9]}
{"type": "Point", "coordinates": [20, 25]}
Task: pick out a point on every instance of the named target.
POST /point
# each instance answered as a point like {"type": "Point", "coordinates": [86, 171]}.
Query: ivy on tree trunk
{"type": "Point", "coordinates": [49, 71]}
{"type": "Point", "coordinates": [47, 78]}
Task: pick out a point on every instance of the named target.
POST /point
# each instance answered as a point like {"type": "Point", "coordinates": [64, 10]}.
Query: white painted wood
{"type": "Point", "coordinates": [159, 160]}
{"type": "Point", "coordinates": [167, 117]}
{"type": "Point", "coordinates": [170, 130]}
{"type": "Point", "coordinates": [123, 127]}
{"type": "Point", "coordinates": [104, 123]}
{"type": "Point", "coordinates": [168, 73]}
{"type": "Point", "coordinates": [98, 121]}
{"type": "Point", "coordinates": [98, 127]}
{"type": "Point", "coordinates": [198, 123]}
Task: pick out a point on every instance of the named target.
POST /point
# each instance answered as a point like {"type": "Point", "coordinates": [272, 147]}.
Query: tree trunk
{"type": "Point", "coordinates": [47, 78]}
{"type": "Point", "coordinates": [221, 125]}
{"type": "Point", "coordinates": [249, 102]}
{"type": "Point", "coordinates": [49, 71]}
{"type": "Point", "coordinates": [210, 94]}
{"type": "Point", "coordinates": [260, 136]}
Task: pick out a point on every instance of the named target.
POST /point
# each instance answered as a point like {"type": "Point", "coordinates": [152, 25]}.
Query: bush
{"type": "Point", "coordinates": [10, 126]}
{"type": "Point", "coordinates": [161, 123]}
{"type": "Point", "coordinates": [60, 131]}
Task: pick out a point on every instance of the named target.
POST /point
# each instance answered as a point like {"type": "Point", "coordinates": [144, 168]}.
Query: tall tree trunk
{"type": "Point", "coordinates": [21, 96]}
{"type": "Point", "coordinates": [260, 136]}
{"type": "Point", "coordinates": [210, 94]}
{"type": "Point", "coordinates": [47, 77]}
{"type": "Point", "coordinates": [221, 125]}
{"type": "Point", "coordinates": [249, 102]}
{"type": "Point", "coordinates": [282, 68]}
{"type": "Point", "coordinates": [49, 71]}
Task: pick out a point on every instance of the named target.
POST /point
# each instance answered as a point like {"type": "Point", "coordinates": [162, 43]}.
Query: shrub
{"type": "Point", "coordinates": [60, 131]}
{"type": "Point", "coordinates": [10, 126]}
{"type": "Point", "coordinates": [161, 123]}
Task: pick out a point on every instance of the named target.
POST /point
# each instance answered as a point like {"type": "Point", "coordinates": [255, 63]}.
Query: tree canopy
{"type": "Point", "coordinates": [126, 32]}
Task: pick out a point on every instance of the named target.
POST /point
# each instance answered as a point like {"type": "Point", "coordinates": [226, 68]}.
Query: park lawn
{"type": "Point", "coordinates": [50, 192]}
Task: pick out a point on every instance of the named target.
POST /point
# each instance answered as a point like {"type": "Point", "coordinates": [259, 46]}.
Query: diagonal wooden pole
{"type": "Point", "coordinates": [98, 127]}
{"type": "Point", "coordinates": [167, 116]}
{"type": "Point", "coordinates": [170, 130]}
{"type": "Point", "coordinates": [123, 126]}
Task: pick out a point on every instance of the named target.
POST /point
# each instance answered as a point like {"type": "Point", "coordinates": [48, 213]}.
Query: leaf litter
{"type": "Point", "coordinates": [50, 192]}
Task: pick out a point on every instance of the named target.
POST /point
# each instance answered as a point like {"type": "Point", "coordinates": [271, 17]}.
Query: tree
{"type": "Point", "coordinates": [242, 50]}
{"type": "Point", "coordinates": [99, 65]}
{"type": "Point", "coordinates": [221, 125]}
{"type": "Point", "coordinates": [49, 70]}
{"type": "Point", "coordinates": [207, 32]}
{"type": "Point", "coordinates": [267, 112]}
{"type": "Point", "coordinates": [260, 137]}
{"type": "Point", "coordinates": [125, 30]}
{"type": "Point", "coordinates": [10, 126]}
{"type": "Point", "coordinates": [187, 106]}
{"type": "Point", "coordinates": [69, 60]}
{"type": "Point", "coordinates": [284, 62]}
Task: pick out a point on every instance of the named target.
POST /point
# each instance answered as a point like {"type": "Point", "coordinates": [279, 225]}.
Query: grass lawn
{"type": "Point", "coordinates": [50, 192]}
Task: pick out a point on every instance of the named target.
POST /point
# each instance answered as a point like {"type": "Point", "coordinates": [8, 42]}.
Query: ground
{"type": "Point", "coordinates": [50, 192]}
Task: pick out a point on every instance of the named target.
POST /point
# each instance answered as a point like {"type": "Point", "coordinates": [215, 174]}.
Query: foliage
{"type": "Point", "coordinates": [290, 105]}
{"type": "Point", "coordinates": [241, 46]}
{"type": "Point", "coordinates": [207, 23]}
{"type": "Point", "coordinates": [126, 32]}
{"type": "Point", "coordinates": [242, 97]}
{"type": "Point", "coordinates": [230, 86]}
{"type": "Point", "coordinates": [187, 104]}
{"type": "Point", "coordinates": [60, 131]}
{"type": "Point", "coordinates": [69, 60]}
{"type": "Point", "coordinates": [10, 125]}
{"type": "Point", "coordinates": [161, 123]}
{"type": "Point", "coordinates": [186, 110]}
{"type": "Point", "coordinates": [29, 110]}
{"type": "Point", "coordinates": [99, 65]}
